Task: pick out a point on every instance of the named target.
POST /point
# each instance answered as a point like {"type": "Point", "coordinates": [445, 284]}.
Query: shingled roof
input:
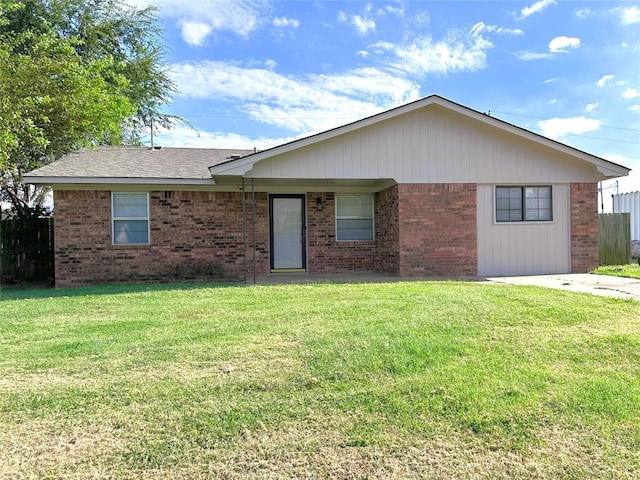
{"type": "Point", "coordinates": [134, 163]}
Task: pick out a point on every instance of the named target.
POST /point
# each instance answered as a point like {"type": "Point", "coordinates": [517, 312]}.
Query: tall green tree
{"type": "Point", "coordinates": [75, 74]}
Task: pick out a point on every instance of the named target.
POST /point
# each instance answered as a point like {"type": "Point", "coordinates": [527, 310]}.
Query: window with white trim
{"type": "Point", "coordinates": [130, 218]}
{"type": "Point", "coordinates": [524, 203]}
{"type": "Point", "coordinates": [354, 217]}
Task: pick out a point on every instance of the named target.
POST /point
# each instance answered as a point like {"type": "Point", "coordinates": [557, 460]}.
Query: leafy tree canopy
{"type": "Point", "coordinates": [75, 74]}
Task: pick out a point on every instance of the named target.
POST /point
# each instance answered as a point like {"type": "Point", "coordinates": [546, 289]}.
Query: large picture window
{"type": "Point", "coordinates": [524, 204]}
{"type": "Point", "coordinates": [130, 218]}
{"type": "Point", "coordinates": [354, 217]}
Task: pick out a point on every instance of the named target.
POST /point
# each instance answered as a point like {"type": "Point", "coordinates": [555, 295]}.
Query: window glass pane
{"type": "Point", "coordinates": [502, 215]}
{"type": "Point", "coordinates": [532, 203]}
{"type": "Point", "coordinates": [544, 203]}
{"type": "Point", "coordinates": [130, 231]}
{"type": "Point", "coordinates": [502, 204]}
{"type": "Point", "coordinates": [130, 205]}
{"type": "Point", "coordinates": [545, 214]}
{"type": "Point", "coordinates": [532, 214]}
{"type": "Point", "coordinates": [354, 205]}
{"type": "Point", "coordinates": [515, 215]}
{"type": "Point", "coordinates": [544, 192]}
{"type": "Point", "coordinates": [515, 192]}
{"type": "Point", "coordinates": [502, 192]}
{"type": "Point", "coordinates": [515, 203]}
{"type": "Point", "coordinates": [355, 229]}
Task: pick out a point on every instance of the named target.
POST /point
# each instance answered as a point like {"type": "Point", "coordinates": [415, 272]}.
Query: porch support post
{"type": "Point", "coordinates": [253, 206]}
{"type": "Point", "coordinates": [244, 234]}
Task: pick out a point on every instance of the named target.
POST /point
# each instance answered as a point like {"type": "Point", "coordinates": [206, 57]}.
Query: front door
{"type": "Point", "coordinates": [287, 232]}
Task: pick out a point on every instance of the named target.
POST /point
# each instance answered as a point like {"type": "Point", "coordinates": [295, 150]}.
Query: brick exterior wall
{"type": "Point", "coordinates": [438, 230]}
{"type": "Point", "coordinates": [420, 230]}
{"type": "Point", "coordinates": [324, 254]}
{"type": "Point", "coordinates": [387, 231]}
{"type": "Point", "coordinates": [584, 227]}
{"type": "Point", "coordinates": [194, 235]}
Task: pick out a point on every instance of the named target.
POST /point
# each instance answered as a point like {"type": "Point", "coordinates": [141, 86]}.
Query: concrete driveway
{"type": "Point", "coordinates": [580, 282]}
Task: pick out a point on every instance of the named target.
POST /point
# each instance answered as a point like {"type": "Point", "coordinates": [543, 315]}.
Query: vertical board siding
{"type": "Point", "coordinates": [523, 248]}
{"type": "Point", "coordinates": [428, 146]}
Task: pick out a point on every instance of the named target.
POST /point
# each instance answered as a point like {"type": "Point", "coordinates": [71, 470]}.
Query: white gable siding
{"type": "Point", "coordinates": [430, 145]}
{"type": "Point", "coordinates": [523, 248]}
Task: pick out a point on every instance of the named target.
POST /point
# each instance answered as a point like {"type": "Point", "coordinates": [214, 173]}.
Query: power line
{"type": "Point", "coordinates": [541, 118]}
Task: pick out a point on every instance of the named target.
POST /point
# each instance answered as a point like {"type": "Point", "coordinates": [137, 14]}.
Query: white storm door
{"type": "Point", "coordinates": [287, 232]}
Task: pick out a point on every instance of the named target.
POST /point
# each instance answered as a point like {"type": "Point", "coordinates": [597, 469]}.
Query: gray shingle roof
{"type": "Point", "coordinates": [137, 162]}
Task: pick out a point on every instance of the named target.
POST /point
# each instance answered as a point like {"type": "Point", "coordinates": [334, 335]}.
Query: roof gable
{"type": "Point", "coordinates": [242, 166]}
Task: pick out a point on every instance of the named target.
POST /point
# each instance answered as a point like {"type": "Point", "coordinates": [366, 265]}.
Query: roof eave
{"type": "Point", "coordinates": [50, 180]}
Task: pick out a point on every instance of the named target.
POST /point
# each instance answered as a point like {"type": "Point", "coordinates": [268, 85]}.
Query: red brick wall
{"type": "Point", "coordinates": [421, 230]}
{"type": "Point", "coordinates": [194, 235]}
{"type": "Point", "coordinates": [387, 231]}
{"type": "Point", "coordinates": [438, 231]}
{"type": "Point", "coordinates": [324, 254]}
{"type": "Point", "coordinates": [584, 227]}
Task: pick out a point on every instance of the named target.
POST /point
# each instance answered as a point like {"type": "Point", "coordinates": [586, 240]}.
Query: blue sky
{"type": "Point", "coordinates": [257, 73]}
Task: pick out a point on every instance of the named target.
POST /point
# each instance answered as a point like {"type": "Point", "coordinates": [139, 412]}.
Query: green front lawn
{"type": "Point", "coordinates": [629, 271]}
{"type": "Point", "coordinates": [400, 380]}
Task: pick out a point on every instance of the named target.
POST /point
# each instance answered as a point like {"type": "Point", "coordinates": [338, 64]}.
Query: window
{"type": "Point", "coordinates": [130, 218]}
{"type": "Point", "coordinates": [524, 204]}
{"type": "Point", "coordinates": [354, 217]}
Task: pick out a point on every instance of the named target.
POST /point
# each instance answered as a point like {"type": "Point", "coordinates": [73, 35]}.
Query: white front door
{"type": "Point", "coordinates": [287, 232]}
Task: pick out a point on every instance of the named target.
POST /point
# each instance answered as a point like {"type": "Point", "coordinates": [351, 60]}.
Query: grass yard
{"type": "Point", "coordinates": [629, 271]}
{"type": "Point", "coordinates": [404, 380]}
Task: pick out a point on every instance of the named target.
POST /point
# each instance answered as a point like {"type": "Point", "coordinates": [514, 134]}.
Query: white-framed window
{"type": "Point", "coordinates": [129, 218]}
{"type": "Point", "coordinates": [354, 217]}
{"type": "Point", "coordinates": [524, 203]}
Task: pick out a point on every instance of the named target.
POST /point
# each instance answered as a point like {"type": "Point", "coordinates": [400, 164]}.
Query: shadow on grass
{"type": "Point", "coordinates": [28, 291]}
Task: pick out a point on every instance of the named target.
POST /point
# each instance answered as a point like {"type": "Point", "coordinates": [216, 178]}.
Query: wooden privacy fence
{"type": "Point", "coordinates": [26, 249]}
{"type": "Point", "coordinates": [615, 238]}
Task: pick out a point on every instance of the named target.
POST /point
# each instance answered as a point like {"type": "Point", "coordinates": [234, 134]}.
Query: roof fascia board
{"type": "Point", "coordinates": [47, 180]}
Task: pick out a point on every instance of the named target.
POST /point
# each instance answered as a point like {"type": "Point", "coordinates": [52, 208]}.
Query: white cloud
{"type": "Point", "coordinates": [535, 8]}
{"type": "Point", "coordinates": [286, 22]}
{"type": "Point", "coordinates": [560, 44]}
{"type": "Point", "coordinates": [630, 15]}
{"type": "Point", "coordinates": [481, 27]}
{"type": "Point", "coordinates": [553, 101]}
{"type": "Point", "coordinates": [603, 81]}
{"type": "Point", "coordinates": [631, 93]}
{"type": "Point", "coordinates": [458, 51]}
{"type": "Point", "coordinates": [584, 13]}
{"type": "Point", "coordinates": [362, 23]}
{"type": "Point", "coordinates": [551, 80]}
{"type": "Point", "coordinates": [634, 108]}
{"type": "Point", "coordinates": [363, 53]}
{"type": "Point", "coordinates": [528, 56]}
{"type": "Point", "coordinates": [194, 33]}
{"type": "Point", "coordinates": [192, 16]}
{"type": "Point", "coordinates": [308, 104]}
{"type": "Point", "coordinates": [270, 64]}
{"type": "Point", "coordinates": [591, 107]}
{"type": "Point", "coordinates": [186, 137]}
{"type": "Point", "coordinates": [555, 128]}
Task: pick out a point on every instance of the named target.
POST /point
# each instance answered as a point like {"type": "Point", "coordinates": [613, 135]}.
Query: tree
{"type": "Point", "coordinates": [75, 74]}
